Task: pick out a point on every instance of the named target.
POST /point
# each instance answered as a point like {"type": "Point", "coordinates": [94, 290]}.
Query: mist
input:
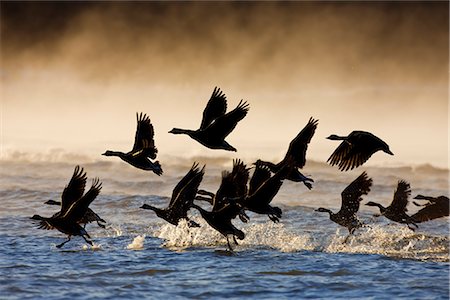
{"type": "Point", "coordinates": [75, 74]}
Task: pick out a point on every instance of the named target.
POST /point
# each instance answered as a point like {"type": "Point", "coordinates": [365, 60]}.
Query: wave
{"type": "Point", "coordinates": [60, 155]}
{"type": "Point", "coordinates": [54, 155]}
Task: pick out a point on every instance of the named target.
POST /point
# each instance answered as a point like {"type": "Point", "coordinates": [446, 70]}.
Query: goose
{"type": "Point", "coordinates": [216, 125]}
{"type": "Point", "coordinates": [355, 149]}
{"type": "Point", "coordinates": [182, 198]}
{"type": "Point", "coordinates": [233, 185]}
{"type": "Point", "coordinates": [89, 216]}
{"type": "Point", "coordinates": [351, 197]}
{"type": "Point", "coordinates": [144, 147]}
{"type": "Point", "coordinates": [262, 190]}
{"type": "Point", "coordinates": [397, 210]}
{"type": "Point", "coordinates": [220, 220]}
{"type": "Point", "coordinates": [297, 152]}
{"type": "Point", "coordinates": [73, 208]}
{"type": "Point", "coordinates": [73, 191]}
{"type": "Point", "coordinates": [437, 207]}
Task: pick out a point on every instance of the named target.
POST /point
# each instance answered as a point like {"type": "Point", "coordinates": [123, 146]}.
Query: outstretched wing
{"type": "Point", "coordinates": [184, 193]}
{"type": "Point", "coordinates": [225, 124]}
{"type": "Point", "coordinates": [351, 195]}
{"type": "Point", "coordinates": [355, 150]}
{"type": "Point", "coordinates": [401, 195]}
{"type": "Point", "coordinates": [299, 145]}
{"type": "Point", "coordinates": [91, 216]}
{"type": "Point", "coordinates": [436, 208]}
{"type": "Point", "coordinates": [216, 107]}
{"type": "Point", "coordinates": [260, 175]}
{"type": "Point", "coordinates": [74, 190]}
{"type": "Point", "coordinates": [267, 190]}
{"type": "Point", "coordinates": [233, 185]}
{"type": "Point", "coordinates": [240, 175]}
{"type": "Point", "coordinates": [349, 156]}
{"type": "Point", "coordinates": [78, 209]}
{"type": "Point", "coordinates": [226, 190]}
{"type": "Point", "coordinates": [143, 141]}
{"type": "Point", "coordinates": [44, 224]}
{"type": "Point", "coordinates": [183, 182]}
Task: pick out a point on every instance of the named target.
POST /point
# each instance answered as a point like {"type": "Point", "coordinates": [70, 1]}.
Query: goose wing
{"type": "Point", "coordinates": [184, 194]}
{"type": "Point", "coordinates": [240, 175]}
{"type": "Point", "coordinates": [46, 225]}
{"type": "Point", "coordinates": [260, 175]}
{"type": "Point", "coordinates": [78, 209]}
{"type": "Point", "coordinates": [436, 208]}
{"type": "Point", "coordinates": [355, 150]}
{"type": "Point", "coordinates": [216, 107]}
{"type": "Point", "coordinates": [225, 124]}
{"type": "Point", "coordinates": [401, 195]}
{"type": "Point", "coordinates": [225, 191]}
{"type": "Point", "coordinates": [229, 211]}
{"type": "Point", "coordinates": [299, 145]}
{"type": "Point", "coordinates": [233, 184]}
{"type": "Point", "coordinates": [91, 216]}
{"type": "Point", "coordinates": [351, 195]}
{"type": "Point", "coordinates": [144, 139]}
{"type": "Point", "coordinates": [267, 190]}
{"type": "Point", "coordinates": [74, 190]}
{"type": "Point", "coordinates": [183, 182]}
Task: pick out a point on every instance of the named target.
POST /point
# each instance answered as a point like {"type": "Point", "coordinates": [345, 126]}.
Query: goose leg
{"type": "Point", "coordinates": [201, 198]}
{"type": "Point", "coordinates": [234, 239]}
{"type": "Point", "coordinates": [350, 233]}
{"type": "Point", "coordinates": [243, 216]}
{"type": "Point", "coordinates": [413, 229]}
{"type": "Point", "coordinates": [274, 219]}
{"type": "Point", "coordinates": [307, 184]}
{"type": "Point", "coordinates": [101, 225]}
{"type": "Point", "coordinates": [229, 246]}
{"type": "Point", "coordinates": [62, 244]}
{"type": "Point", "coordinates": [205, 193]}
{"type": "Point", "coordinates": [192, 224]}
{"type": "Point", "coordinates": [346, 238]}
{"type": "Point", "coordinates": [88, 241]}
{"type": "Point", "coordinates": [366, 225]}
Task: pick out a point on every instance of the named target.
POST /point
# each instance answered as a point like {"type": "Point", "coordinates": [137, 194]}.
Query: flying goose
{"type": "Point", "coordinates": [216, 125]}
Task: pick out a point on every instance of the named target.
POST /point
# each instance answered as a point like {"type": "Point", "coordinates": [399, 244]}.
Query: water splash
{"type": "Point", "coordinates": [257, 235]}
{"type": "Point", "coordinates": [276, 236]}
{"type": "Point", "coordinates": [388, 240]}
{"type": "Point", "coordinates": [137, 243]}
{"type": "Point", "coordinates": [392, 240]}
{"type": "Point", "coordinates": [94, 247]}
{"type": "Point", "coordinates": [114, 230]}
{"type": "Point", "coordinates": [183, 236]}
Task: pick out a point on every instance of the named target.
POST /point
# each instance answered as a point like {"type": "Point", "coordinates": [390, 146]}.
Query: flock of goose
{"type": "Point", "coordinates": [238, 192]}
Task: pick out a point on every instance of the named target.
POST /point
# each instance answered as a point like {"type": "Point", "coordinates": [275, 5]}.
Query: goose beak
{"type": "Point", "coordinates": [389, 152]}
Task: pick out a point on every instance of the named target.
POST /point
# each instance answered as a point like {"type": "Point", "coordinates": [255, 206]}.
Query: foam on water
{"type": "Point", "coordinates": [94, 247]}
{"type": "Point", "coordinates": [137, 243]}
{"type": "Point", "coordinates": [391, 240]}
{"type": "Point", "coordinates": [388, 240]}
{"type": "Point", "coordinates": [276, 236]}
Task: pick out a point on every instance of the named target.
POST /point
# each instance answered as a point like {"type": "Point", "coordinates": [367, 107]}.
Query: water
{"type": "Point", "coordinates": [140, 256]}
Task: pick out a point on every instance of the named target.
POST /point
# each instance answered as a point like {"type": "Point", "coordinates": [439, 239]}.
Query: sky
{"type": "Point", "coordinates": [73, 75]}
